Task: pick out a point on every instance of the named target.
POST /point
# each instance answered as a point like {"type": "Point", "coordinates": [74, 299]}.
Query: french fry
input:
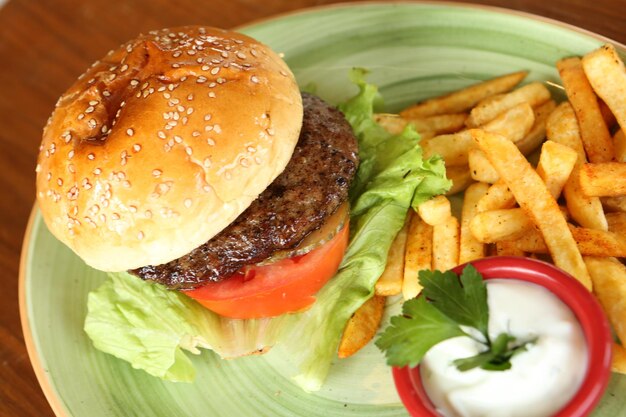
{"type": "Point", "coordinates": [392, 123]}
{"type": "Point", "coordinates": [470, 248]}
{"type": "Point", "coordinates": [446, 244]}
{"type": "Point", "coordinates": [534, 94]}
{"type": "Point", "coordinates": [435, 211]}
{"type": "Point", "coordinates": [562, 128]}
{"type": "Point", "coordinates": [619, 143]}
{"type": "Point", "coordinates": [462, 100]}
{"type": "Point", "coordinates": [607, 75]}
{"type": "Point", "coordinates": [613, 204]}
{"type": "Point", "coordinates": [513, 123]}
{"type": "Point", "coordinates": [605, 179]}
{"type": "Point", "coordinates": [460, 177]}
{"type": "Point", "coordinates": [495, 225]}
{"type": "Point", "coordinates": [433, 125]}
{"type": "Point", "coordinates": [617, 222]}
{"type": "Point", "coordinates": [497, 197]}
{"type": "Point", "coordinates": [619, 359]}
{"type": "Point", "coordinates": [508, 248]}
{"type": "Point", "coordinates": [593, 130]}
{"type": "Point", "coordinates": [537, 132]}
{"type": "Point", "coordinates": [452, 148]}
{"type": "Point", "coordinates": [609, 285]}
{"type": "Point", "coordinates": [590, 242]}
{"type": "Point", "coordinates": [390, 282]}
{"type": "Point", "coordinates": [439, 124]}
{"type": "Point", "coordinates": [556, 163]}
{"type": "Point", "coordinates": [417, 256]}
{"type": "Point", "coordinates": [480, 168]}
{"type": "Point", "coordinates": [361, 327]}
{"type": "Point", "coordinates": [535, 199]}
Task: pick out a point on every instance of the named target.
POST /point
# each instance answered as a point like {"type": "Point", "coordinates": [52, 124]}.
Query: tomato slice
{"type": "Point", "coordinates": [285, 286]}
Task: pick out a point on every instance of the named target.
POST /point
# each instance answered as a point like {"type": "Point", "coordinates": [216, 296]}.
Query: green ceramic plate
{"type": "Point", "coordinates": [413, 51]}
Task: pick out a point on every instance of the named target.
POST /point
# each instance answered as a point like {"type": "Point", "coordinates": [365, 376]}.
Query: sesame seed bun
{"type": "Point", "coordinates": [163, 143]}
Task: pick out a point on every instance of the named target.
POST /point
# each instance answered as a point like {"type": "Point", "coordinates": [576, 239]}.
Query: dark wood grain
{"type": "Point", "coordinates": [45, 45]}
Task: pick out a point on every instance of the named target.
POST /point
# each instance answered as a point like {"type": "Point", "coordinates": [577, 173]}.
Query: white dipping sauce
{"type": "Point", "coordinates": [541, 380]}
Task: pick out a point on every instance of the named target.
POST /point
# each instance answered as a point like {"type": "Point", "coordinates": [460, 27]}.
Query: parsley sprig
{"type": "Point", "coordinates": [448, 302]}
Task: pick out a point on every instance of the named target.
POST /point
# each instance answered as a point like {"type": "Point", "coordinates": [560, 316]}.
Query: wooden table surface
{"type": "Point", "coordinates": [45, 45]}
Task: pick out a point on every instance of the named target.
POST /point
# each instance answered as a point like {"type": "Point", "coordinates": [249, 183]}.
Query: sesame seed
{"type": "Point", "coordinates": [136, 147]}
{"type": "Point", "coordinates": [91, 156]}
{"type": "Point", "coordinates": [205, 67]}
{"type": "Point", "coordinates": [132, 209]}
{"type": "Point", "coordinates": [126, 184]}
{"type": "Point", "coordinates": [156, 173]}
{"type": "Point", "coordinates": [195, 133]}
{"type": "Point", "coordinates": [206, 188]}
{"type": "Point", "coordinates": [134, 82]}
{"type": "Point", "coordinates": [201, 79]}
{"type": "Point", "coordinates": [89, 109]}
{"type": "Point", "coordinates": [92, 123]}
{"type": "Point", "coordinates": [140, 235]}
{"type": "Point", "coordinates": [161, 134]}
{"type": "Point", "coordinates": [190, 97]}
{"type": "Point", "coordinates": [104, 129]}
{"type": "Point", "coordinates": [97, 171]}
{"type": "Point", "coordinates": [244, 162]}
{"type": "Point", "coordinates": [211, 94]}
{"type": "Point", "coordinates": [251, 149]}
{"type": "Point", "coordinates": [148, 214]}
{"type": "Point", "coordinates": [240, 55]}
{"type": "Point", "coordinates": [270, 131]}
{"type": "Point", "coordinates": [210, 142]}
{"type": "Point", "coordinates": [167, 96]}
{"type": "Point", "coordinates": [81, 116]}
{"type": "Point", "coordinates": [124, 68]}
{"type": "Point", "coordinates": [38, 168]}
{"type": "Point", "coordinates": [215, 70]}
{"type": "Point", "coordinates": [106, 93]}
{"type": "Point", "coordinates": [207, 117]}
{"type": "Point", "coordinates": [257, 160]}
{"type": "Point", "coordinates": [71, 168]}
{"type": "Point", "coordinates": [188, 202]}
{"type": "Point", "coordinates": [188, 150]}
{"type": "Point", "coordinates": [178, 139]}
{"type": "Point", "coordinates": [130, 132]}
{"type": "Point", "coordinates": [224, 54]}
{"type": "Point", "coordinates": [59, 182]}
{"type": "Point", "coordinates": [254, 79]}
{"type": "Point", "coordinates": [93, 102]}
{"type": "Point", "coordinates": [217, 128]}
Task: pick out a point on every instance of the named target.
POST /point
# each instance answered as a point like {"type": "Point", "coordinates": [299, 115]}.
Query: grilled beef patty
{"type": "Point", "coordinates": [312, 186]}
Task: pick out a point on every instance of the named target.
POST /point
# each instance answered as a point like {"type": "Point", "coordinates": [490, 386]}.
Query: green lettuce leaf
{"type": "Point", "coordinates": [149, 326]}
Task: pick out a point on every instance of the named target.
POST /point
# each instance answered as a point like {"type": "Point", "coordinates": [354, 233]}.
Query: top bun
{"type": "Point", "coordinates": [163, 143]}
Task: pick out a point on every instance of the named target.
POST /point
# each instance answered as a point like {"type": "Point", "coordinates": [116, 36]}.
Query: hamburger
{"type": "Point", "coordinates": [189, 157]}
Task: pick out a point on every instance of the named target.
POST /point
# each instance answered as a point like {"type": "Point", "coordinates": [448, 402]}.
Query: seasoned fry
{"type": "Point", "coordinates": [435, 211]}
{"type": "Point", "coordinates": [590, 242]}
{"type": "Point", "coordinates": [480, 167]}
{"type": "Point", "coordinates": [433, 125]}
{"type": "Point", "coordinates": [452, 148]}
{"type": "Point", "coordinates": [537, 132]}
{"type": "Point", "coordinates": [606, 179]}
{"type": "Point", "coordinates": [495, 225]}
{"type": "Point", "coordinates": [390, 282]}
{"type": "Point", "coordinates": [617, 222]}
{"type": "Point", "coordinates": [614, 203]}
{"type": "Point", "coordinates": [533, 196]}
{"type": "Point", "coordinates": [361, 327]}
{"type": "Point", "coordinates": [512, 123]}
{"type": "Point", "coordinates": [418, 255]}
{"type": "Point", "coordinates": [556, 163]}
{"type": "Point", "coordinates": [446, 244]}
{"type": "Point", "coordinates": [607, 75]}
{"type": "Point", "coordinates": [392, 123]}
{"type": "Point", "coordinates": [609, 285]}
{"type": "Point", "coordinates": [508, 248]}
{"type": "Point", "coordinates": [470, 248]}
{"type": "Point", "coordinates": [593, 130]}
{"type": "Point", "coordinates": [562, 128]}
{"type": "Point", "coordinates": [619, 142]}
{"type": "Point", "coordinates": [497, 197]}
{"type": "Point", "coordinates": [534, 94]}
{"type": "Point", "coordinates": [460, 177]}
{"type": "Point", "coordinates": [462, 100]}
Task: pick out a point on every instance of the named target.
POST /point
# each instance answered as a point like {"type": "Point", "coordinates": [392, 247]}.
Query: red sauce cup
{"type": "Point", "coordinates": [587, 310]}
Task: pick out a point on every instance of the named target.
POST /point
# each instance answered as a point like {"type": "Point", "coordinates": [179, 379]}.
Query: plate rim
{"type": "Point", "coordinates": [43, 378]}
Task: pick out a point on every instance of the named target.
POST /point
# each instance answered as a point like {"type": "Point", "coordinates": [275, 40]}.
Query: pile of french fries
{"type": "Point", "coordinates": [568, 207]}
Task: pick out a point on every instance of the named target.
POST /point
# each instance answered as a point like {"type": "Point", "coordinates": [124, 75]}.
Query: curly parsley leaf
{"type": "Point", "coordinates": [463, 299]}
{"type": "Point", "coordinates": [420, 327]}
